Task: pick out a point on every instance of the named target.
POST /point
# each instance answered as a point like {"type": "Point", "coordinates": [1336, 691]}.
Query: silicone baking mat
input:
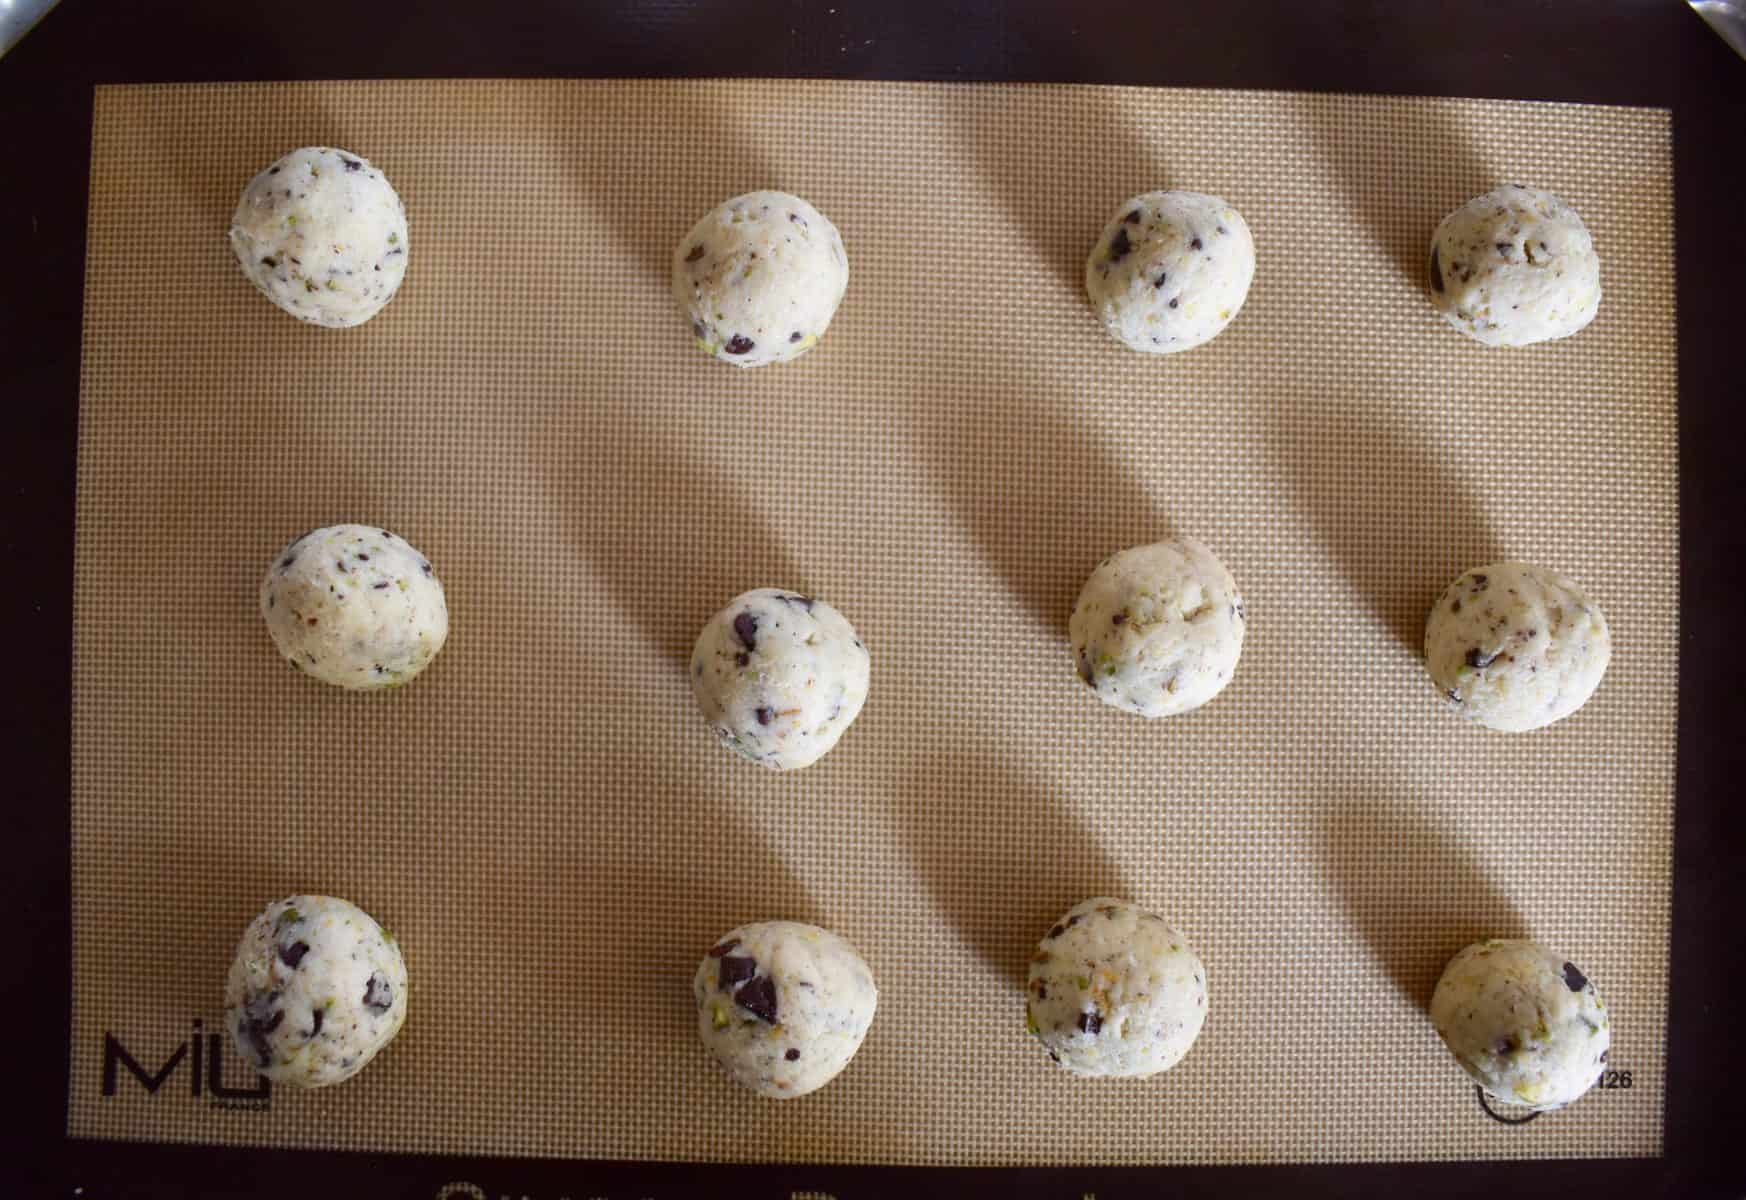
{"type": "Point", "coordinates": [543, 819]}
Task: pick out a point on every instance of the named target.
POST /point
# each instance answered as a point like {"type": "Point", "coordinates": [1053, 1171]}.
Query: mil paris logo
{"type": "Point", "coordinates": [206, 1076]}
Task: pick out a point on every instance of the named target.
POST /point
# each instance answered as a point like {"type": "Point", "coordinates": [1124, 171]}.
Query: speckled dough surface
{"type": "Point", "coordinates": [1114, 990]}
{"type": "Point", "coordinates": [783, 1006]}
{"type": "Point", "coordinates": [1513, 267]}
{"type": "Point", "coordinates": [323, 234]}
{"type": "Point", "coordinates": [760, 278]}
{"type": "Point", "coordinates": [779, 677]}
{"type": "Point", "coordinates": [1514, 647]}
{"type": "Point", "coordinates": [1158, 629]}
{"type": "Point", "coordinates": [316, 990]}
{"type": "Point", "coordinates": [1170, 271]}
{"type": "Point", "coordinates": [1525, 1023]}
{"type": "Point", "coordinates": [355, 606]}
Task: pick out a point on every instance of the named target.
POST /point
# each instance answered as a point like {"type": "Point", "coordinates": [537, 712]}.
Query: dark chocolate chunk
{"type": "Point", "coordinates": [1173, 304]}
{"type": "Point", "coordinates": [746, 629]}
{"type": "Point", "coordinates": [273, 170]}
{"type": "Point", "coordinates": [340, 564]}
{"type": "Point", "coordinates": [721, 948]}
{"type": "Point", "coordinates": [735, 969]}
{"type": "Point", "coordinates": [1132, 218]}
{"type": "Point", "coordinates": [758, 997]}
{"type": "Point", "coordinates": [1057, 931]}
{"type": "Point", "coordinates": [1223, 231]}
{"type": "Point", "coordinates": [765, 715]}
{"type": "Point", "coordinates": [1159, 282]}
{"type": "Point", "coordinates": [798, 220]}
{"type": "Point", "coordinates": [1197, 244]}
{"type": "Point", "coordinates": [378, 994]}
{"type": "Point", "coordinates": [1480, 660]}
{"type": "Point", "coordinates": [379, 587]}
{"type": "Point", "coordinates": [425, 567]}
{"type": "Point", "coordinates": [1481, 582]}
{"type": "Point", "coordinates": [739, 344]}
{"type": "Point", "coordinates": [1503, 250]}
{"type": "Point", "coordinates": [1436, 270]}
{"type": "Point", "coordinates": [1574, 979]}
{"type": "Point", "coordinates": [1075, 919]}
{"type": "Point", "coordinates": [1085, 670]}
{"type": "Point", "coordinates": [1455, 605]}
{"type": "Point", "coordinates": [293, 954]}
{"type": "Point", "coordinates": [1120, 618]}
{"type": "Point", "coordinates": [793, 1055]}
{"type": "Point", "coordinates": [741, 660]}
{"type": "Point", "coordinates": [1090, 1022]}
{"type": "Point", "coordinates": [258, 1020]}
{"type": "Point", "coordinates": [352, 164]}
{"type": "Point", "coordinates": [1119, 246]}
{"type": "Point", "coordinates": [1505, 1045]}
{"type": "Point", "coordinates": [795, 336]}
{"type": "Point", "coordinates": [1053, 1057]}
{"type": "Point", "coordinates": [269, 262]}
{"type": "Point", "coordinates": [696, 253]}
{"type": "Point", "coordinates": [286, 562]}
{"type": "Point", "coordinates": [320, 1016]}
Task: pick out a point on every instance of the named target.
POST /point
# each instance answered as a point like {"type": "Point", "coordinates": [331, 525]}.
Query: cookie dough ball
{"type": "Point", "coordinates": [1170, 271]}
{"type": "Point", "coordinates": [355, 606]}
{"type": "Point", "coordinates": [780, 677]}
{"type": "Point", "coordinates": [1115, 991]}
{"type": "Point", "coordinates": [1514, 267]}
{"type": "Point", "coordinates": [783, 1006]}
{"type": "Point", "coordinates": [317, 989]}
{"type": "Point", "coordinates": [323, 234]}
{"type": "Point", "coordinates": [760, 278]}
{"type": "Point", "coordinates": [1514, 647]}
{"type": "Point", "coordinates": [1158, 629]}
{"type": "Point", "coordinates": [1524, 1022]}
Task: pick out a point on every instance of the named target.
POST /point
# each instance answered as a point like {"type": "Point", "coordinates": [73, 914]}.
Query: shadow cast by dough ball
{"type": "Point", "coordinates": [1398, 521]}
{"type": "Point", "coordinates": [1414, 893]}
{"type": "Point", "coordinates": [1002, 855]}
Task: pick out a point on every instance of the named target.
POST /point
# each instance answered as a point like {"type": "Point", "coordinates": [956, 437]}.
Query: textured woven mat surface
{"type": "Point", "coordinates": [544, 821]}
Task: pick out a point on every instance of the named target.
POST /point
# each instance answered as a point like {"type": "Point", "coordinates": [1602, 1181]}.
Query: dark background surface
{"type": "Point", "coordinates": [1637, 52]}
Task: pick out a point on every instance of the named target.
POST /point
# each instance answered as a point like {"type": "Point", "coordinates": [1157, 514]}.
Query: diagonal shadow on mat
{"type": "Point", "coordinates": [1003, 870]}
{"type": "Point", "coordinates": [1413, 892]}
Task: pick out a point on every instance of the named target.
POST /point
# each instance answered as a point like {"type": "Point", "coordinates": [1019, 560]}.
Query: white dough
{"type": "Point", "coordinates": [1514, 647]}
{"type": "Point", "coordinates": [317, 988]}
{"type": "Point", "coordinates": [355, 606]}
{"type": "Point", "coordinates": [1115, 991]}
{"type": "Point", "coordinates": [1523, 1022]}
{"type": "Point", "coordinates": [1513, 267]}
{"type": "Point", "coordinates": [323, 234]}
{"type": "Point", "coordinates": [783, 1006]}
{"type": "Point", "coordinates": [779, 677]}
{"type": "Point", "coordinates": [760, 278]}
{"type": "Point", "coordinates": [1158, 629]}
{"type": "Point", "coordinates": [1170, 271]}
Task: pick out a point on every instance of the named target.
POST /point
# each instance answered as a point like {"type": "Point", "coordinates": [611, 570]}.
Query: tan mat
{"type": "Point", "coordinates": [545, 822]}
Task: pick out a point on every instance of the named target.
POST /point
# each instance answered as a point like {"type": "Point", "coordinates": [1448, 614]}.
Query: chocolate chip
{"type": "Point", "coordinates": [1085, 670]}
{"type": "Point", "coordinates": [1503, 250]}
{"type": "Point", "coordinates": [1053, 1057]}
{"type": "Point", "coordinates": [741, 660]}
{"type": "Point", "coordinates": [1223, 231]}
{"type": "Point", "coordinates": [1455, 606]}
{"type": "Point", "coordinates": [1132, 218]}
{"type": "Point", "coordinates": [293, 954]}
{"type": "Point", "coordinates": [795, 336]}
{"type": "Point", "coordinates": [352, 164]}
{"type": "Point", "coordinates": [1505, 1045]}
{"type": "Point", "coordinates": [425, 567]}
{"type": "Point", "coordinates": [1603, 1056]}
{"type": "Point", "coordinates": [765, 715]}
{"type": "Point", "coordinates": [1481, 582]}
{"type": "Point", "coordinates": [1573, 979]}
{"type": "Point", "coordinates": [1119, 619]}
{"type": "Point", "coordinates": [378, 994]}
{"type": "Point", "coordinates": [735, 969]}
{"type": "Point", "coordinates": [1197, 244]}
{"type": "Point", "coordinates": [1173, 304]}
{"type": "Point", "coordinates": [256, 1023]}
{"type": "Point", "coordinates": [746, 629]}
{"type": "Point", "coordinates": [1057, 931]}
{"type": "Point", "coordinates": [758, 997]}
{"type": "Point", "coordinates": [378, 587]}
{"type": "Point", "coordinates": [1119, 246]}
{"type": "Point", "coordinates": [793, 1055]}
{"type": "Point", "coordinates": [739, 344]}
{"type": "Point", "coordinates": [1075, 919]}
{"type": "Point", "coordinates": [722, 948]}
{"type": "Point", "coordinates": [270, 262]}
{"type": "Point", "coordinates": [1090, 1022]}
{"type": "Point", "coordinates": [1159, 282]}
{"type": "Point", "coordinates": [798, 220]}
{"type": "Point", "coordinates": [1479, 660]}
{"type": "Point", "coordinates": [320, 1016]}
{"type": "Point", "coordinates": [1436, 270]}
{"type": "Point", "coordinates": [286, 562]}
{"type": "Point", "coordinates": [273, 171]}
{"type": "Point", "coordinates": [696, 253]}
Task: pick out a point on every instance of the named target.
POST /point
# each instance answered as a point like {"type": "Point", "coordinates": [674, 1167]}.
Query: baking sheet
{"type": "Point", "coordinates": [542, 818]}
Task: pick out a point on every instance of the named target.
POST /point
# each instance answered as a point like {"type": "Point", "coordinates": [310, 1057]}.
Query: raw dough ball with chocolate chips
{"type": "Point", "coordinates": [355, 606]}
{"type": "Point", "coordinates": [783, 1006]}
{"type": "Point", "coordinates": [1158, 629]}
{"type": "Point", "coordinates": [760, 278]}
{"type": "Point", "coordinates": [1514, 267]}
{"type": "Point", "coordinates": [779, 677]}
{"type": "Point", "coordinates": [1514, 647]}
{"type": "Point", "coordinates": [317, 989]}
{"type": "Point", "coordinates": [1115, 991]}
{"type": "Point", "coordinates": [1170, 271]}
{"type": "Point", "coordinates": [1525, 1023]}
{"type": "Point", "coordinates": [322, 234]}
